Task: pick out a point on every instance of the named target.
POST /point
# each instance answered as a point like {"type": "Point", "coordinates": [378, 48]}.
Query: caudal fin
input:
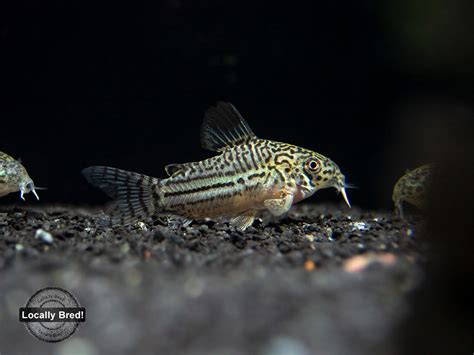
{"type": "Point", "coordinates": [134, 193]}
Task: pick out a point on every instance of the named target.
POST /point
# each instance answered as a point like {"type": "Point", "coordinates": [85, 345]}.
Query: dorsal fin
{"type": "Point", "coordinates": [224, 127]}
{"type": "Point", "coordinates": [174, 169]}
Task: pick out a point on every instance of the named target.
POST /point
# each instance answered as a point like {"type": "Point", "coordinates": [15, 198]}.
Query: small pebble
{"type": "Point", "coordinates": [77, 346]}
{"type": "Point", "coordinates": [329, 233]}
{"type": "Point", "coordinates": [125, 248]}
{"type": "Point", "coordinates": [203, 227]}
{"type": "Point", "coordinates": [104, 221]}
{"type": "Point", "coordinates": [146, 255]}
{"type": "Point", "coordinates": [194, 287]}
{"type": "Point", "coordinates": [284, 345]}
{"type": "Point", "coordinates": [309, 265]}
{"type": "Point", "coordinates": [382, 247]}
{"type": "Point", "coordinates": [44, 236]}
{"type": "Point", "coordinates": [358, 226]}
{"type": "Point", "coordinates": [142, 226]}
{"type": "Point", "coordinates": [360, 262]}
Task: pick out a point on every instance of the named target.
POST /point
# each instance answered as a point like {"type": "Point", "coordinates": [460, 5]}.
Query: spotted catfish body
{"type": "Point", "coordinates": [14, 177]}
{"type": "Point", "coordinates": [249, 174]}
{"type": "Point", "coordinates": [412, 188]}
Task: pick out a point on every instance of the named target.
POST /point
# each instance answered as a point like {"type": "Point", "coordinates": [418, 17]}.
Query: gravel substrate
{"type": "Point", "coordinates": [320, 280]}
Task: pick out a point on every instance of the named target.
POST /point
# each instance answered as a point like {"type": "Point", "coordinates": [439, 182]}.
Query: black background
{"type": "Point", "coordinates": [126, 84]}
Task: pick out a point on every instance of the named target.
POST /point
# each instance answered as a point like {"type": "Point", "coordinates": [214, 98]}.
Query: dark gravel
{"type": "Point", "coordinates": [320, 280]}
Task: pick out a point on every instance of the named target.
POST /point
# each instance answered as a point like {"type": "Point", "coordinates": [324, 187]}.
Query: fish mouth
{"type": "Point", "coordinates": [30, 187]}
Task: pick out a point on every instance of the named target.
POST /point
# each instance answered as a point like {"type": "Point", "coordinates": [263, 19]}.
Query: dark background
{"type": "Point", "coordinates": [126, 84]}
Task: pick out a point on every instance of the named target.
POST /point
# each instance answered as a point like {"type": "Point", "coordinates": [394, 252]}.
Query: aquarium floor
{"type": "Point", "coordinates": [322, 279]}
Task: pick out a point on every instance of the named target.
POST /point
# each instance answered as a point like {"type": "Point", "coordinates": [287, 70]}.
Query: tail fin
{"type": "Point", "coordinates": [134, 193]}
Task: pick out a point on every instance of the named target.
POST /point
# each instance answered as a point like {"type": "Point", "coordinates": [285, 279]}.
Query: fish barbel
{"type": "Point", "coordinates": [14, 177]}
{"type": "Point", "coordinates": [248, 175]}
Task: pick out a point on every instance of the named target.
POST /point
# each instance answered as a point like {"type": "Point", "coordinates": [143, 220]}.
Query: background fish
{"type": "Point", "coordinates": [411, 188]}
{"type": "Point", "coordinates": [248, 175]}
{"type": "Point", "coordinates": [14, 177]}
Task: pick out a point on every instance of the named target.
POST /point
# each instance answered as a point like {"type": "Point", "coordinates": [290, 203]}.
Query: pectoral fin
{"type": "Point", "coordinates": [243, 221]}
{"type": "Point", "coordinates": [278, 206]}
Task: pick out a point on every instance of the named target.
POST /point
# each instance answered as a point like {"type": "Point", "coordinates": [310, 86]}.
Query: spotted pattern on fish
{"type": "Point", "coordinates": [247, 175]}
{"type": "Point", "coordinates": [412, 188]}
{"type": "Point", "coordinates": [14, 177]}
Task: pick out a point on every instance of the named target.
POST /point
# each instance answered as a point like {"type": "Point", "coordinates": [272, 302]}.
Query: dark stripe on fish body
{"type": "Point", "coordinates": [283, 154]}
{"type": "Point", "coordinates": [244, 159]}
{"type": "Point", "coordinates": [256, 175]}
{"type": "Point", "coordinates": [268, 175]}
{"type": "Point", "coordinates": [238, 166]}
{"type": "Point", "coordinates": [207, 199]}
{"type": "Point", "coordinates": [199, 189]}
{"type": "Point", "coordinates": [185, 180]}
{"type": "Point", "coordinates": [283, 179]}
{"type": "Point", "coordinates": [259, 154]}
{"type": "Point", "coordinates": [252, 156]}
{"type": "Point", "coordinates": [241, 160]}
{"type": "Point", "coordinates": [237, 191]}
{"type": "Point", "coordinates": [267, 154]}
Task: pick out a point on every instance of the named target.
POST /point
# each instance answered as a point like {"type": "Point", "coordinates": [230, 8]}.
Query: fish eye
{"type": "Point", "coordinates": [312, 165]}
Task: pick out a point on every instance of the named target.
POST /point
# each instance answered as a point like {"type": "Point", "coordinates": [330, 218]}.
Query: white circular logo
{"type": "Point", "coordinates": [52, 314]}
